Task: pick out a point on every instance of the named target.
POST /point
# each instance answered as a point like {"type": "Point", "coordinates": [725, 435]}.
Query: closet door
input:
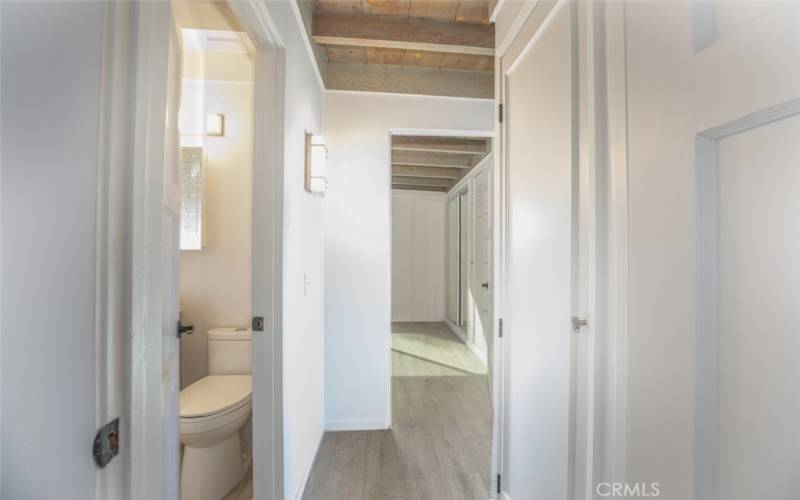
{"type": "Point", "coordinates": [464, 260]}
{"type": "Point", "coordinates": [453, 243]}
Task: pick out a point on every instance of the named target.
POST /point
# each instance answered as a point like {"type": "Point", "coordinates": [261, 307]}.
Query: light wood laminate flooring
{"type": "Point", "coordinates": [439, 445]}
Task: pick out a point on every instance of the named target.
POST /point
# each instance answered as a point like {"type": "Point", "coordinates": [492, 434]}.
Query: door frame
{"type": "Point", "coordinates": [128, 311]}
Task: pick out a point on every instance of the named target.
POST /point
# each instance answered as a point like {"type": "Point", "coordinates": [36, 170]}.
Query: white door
{"type": "Point", "coordinates": [539, 99]}
{"type": "Point", "coordinates": [713, 134]}
{"type": "Point", "coordinates": [170, 236]}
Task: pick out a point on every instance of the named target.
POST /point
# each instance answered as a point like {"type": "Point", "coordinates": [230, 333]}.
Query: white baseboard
{"type": "Point", "coordinates": [356, 425]}
{"type": "Point", "coordinates": [457, 330]}
{"type": "Point", "coordinates": [301, 488]}
{"type": "Point", "coordinates": [463, 336]}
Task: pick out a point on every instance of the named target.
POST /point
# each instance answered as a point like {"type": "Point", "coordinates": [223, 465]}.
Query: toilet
{"type": "Point", "coordinates": [212, 410]}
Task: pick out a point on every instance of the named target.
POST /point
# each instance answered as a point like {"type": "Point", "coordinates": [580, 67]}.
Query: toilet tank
{"type": "Point", "coordinates": [229, 351]}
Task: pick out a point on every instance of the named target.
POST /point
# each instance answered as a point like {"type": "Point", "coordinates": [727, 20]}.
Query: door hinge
{"type": "Point", "coordinates": [106, 443]}
{"type": "Point", "coordinates": [500, 112]}
{"type": "Point", "coordinates": [498, 484]}
{"type": "Point", "coordinates": [500, 327]}
{"type": "Point", "coordinates": [258, 324]}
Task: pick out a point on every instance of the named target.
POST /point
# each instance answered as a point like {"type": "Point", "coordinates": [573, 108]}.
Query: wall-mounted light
{"type": "Point", "coordinates": [316, 160]}
{"type": "Point", "coordinates": [215, 124]}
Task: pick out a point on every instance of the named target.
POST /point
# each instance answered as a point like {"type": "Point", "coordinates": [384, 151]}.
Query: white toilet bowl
{"type": "Point", "coordinates": [213, 409]}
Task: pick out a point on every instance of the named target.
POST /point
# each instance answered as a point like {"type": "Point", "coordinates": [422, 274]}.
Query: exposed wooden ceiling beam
{"type": "Point", "coordinates": [435, 160]}
{"type": "Point", "coordinates": [420, 188]}
{"type": "Point", "coordinates": [450, 160]}
{"type": "Point", "coordinates": [432, 172]}
{"type": "Point", "coordinates": [429, 165]}
{"type": "Point", "coordinates": [427, 149]}
{"type": "Point", "coordinates": [403, 33]}
{"type": "Point", "coordinates": [410, 80]}
{"type": "Point", "coordinates": [481, 143]}
{"type": "Point", "coordinates": [422, 181]}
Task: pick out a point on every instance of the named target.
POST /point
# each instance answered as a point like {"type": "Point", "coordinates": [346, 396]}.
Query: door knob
{"type": "Point", "coordinates": [485, 285]}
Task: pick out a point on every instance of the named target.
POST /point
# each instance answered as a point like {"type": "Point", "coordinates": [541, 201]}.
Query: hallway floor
{"type": "Point", "coordinates": [439, 446]}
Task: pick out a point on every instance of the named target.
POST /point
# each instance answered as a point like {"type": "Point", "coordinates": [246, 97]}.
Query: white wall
{"type": "Point", "coordinates": [50, 99]}
{"type": "Point", "coordinates": [215, 282]}
{"type": "Point", "coordinates": [418, 238]}
{"type": "Point", "coordinates": [358, 241]}
{"type": "Point", "coordinates": [302, 260]}
{"type": "Point", "coordinates": [661, 246]}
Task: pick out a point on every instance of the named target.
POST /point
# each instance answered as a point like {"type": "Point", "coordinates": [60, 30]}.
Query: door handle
{"type": "Point", "coordinates": [187, 329]}
{"type": "Point", "coordinates": [485, 285]}
{"type": "Point", "coordinates": [578, 323]}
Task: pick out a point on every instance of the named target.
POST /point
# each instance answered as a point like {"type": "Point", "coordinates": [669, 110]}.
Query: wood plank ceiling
{"type": "Point", "coordinates": [434, 47]}
{"type": "Point", "coordinates": [427, 163]}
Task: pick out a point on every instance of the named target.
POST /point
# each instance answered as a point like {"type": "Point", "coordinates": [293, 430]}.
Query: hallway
{"type": "Point", "coordinates": [439, 446]}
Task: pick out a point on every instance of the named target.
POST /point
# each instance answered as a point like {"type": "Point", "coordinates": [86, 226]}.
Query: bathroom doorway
{"type": "Point", "coordinates": [222, 32]}
{"type": "Point", "coordinates": [216, 123]}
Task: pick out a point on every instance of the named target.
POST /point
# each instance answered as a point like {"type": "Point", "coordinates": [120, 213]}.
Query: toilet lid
{"type": "Point", "coordinates": [215, 394]}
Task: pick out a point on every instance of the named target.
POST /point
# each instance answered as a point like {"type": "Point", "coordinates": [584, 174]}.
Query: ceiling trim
{"type": "Point", "coordinates": [519, 22]}
{"type": "Point", "coordinates": [496, 11]}
{"type": "Point", "coordinates": [392, 44]}
{"type": "Point", "coordinates": [307, 42]}
{"type": "Point", "coordinates": [405, 94]}
{"type": "Point", "coordinates": [436, 132]}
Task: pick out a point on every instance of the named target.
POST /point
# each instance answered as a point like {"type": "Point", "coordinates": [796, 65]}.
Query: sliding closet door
{"type": "Point", "coordinates": [464, 257]}
{"type": "Point", "coordinates": [453, 243]}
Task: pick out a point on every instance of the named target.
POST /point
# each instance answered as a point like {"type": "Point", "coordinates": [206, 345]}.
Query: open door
{"type": "Point", "coordinates": [170, 241]}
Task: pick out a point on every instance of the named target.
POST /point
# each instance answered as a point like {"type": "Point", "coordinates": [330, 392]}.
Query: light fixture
{"type": "Point", "coordinates": [316, 160]}
{"type": "Point", "coordinates": [215, 124]}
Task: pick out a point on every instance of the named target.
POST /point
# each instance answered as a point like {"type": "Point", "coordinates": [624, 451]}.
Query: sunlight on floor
{"type": "Point", "coordinates": [437, 353]}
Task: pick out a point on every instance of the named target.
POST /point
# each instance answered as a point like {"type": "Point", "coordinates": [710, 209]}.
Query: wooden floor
{"type": "Point", "coordinates": [439, 446]}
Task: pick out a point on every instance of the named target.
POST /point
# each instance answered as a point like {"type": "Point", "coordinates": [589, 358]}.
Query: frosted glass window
{"type": "Point", "coordinates": [192, 180]}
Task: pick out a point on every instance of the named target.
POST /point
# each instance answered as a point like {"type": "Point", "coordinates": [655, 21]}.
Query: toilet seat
{"type": "Point", "coordinates": [214, 396]}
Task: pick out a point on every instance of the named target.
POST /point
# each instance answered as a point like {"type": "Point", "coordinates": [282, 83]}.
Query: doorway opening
{"type": "Point", "coordinates": [441, 303]}
{"type": "Point", "coordinates": [158, 458]}
{"type": "Point", "coordinates": [216, 124]}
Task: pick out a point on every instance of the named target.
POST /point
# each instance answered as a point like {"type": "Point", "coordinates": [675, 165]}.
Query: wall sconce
{"type": "Point", "coordinates": [215, 124]}
{"type": "Point", "coordinates": [316, 159]}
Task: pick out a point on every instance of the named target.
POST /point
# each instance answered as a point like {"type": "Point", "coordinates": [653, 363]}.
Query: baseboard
{"type": "Point", "coordinates": [301, 488]}
{"type": "Point", "coordinates": [463, 336]}
{"type": "Point", "coordinates": [356, 425]}
{"type": "Point", "coordinates": [457, 330]}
